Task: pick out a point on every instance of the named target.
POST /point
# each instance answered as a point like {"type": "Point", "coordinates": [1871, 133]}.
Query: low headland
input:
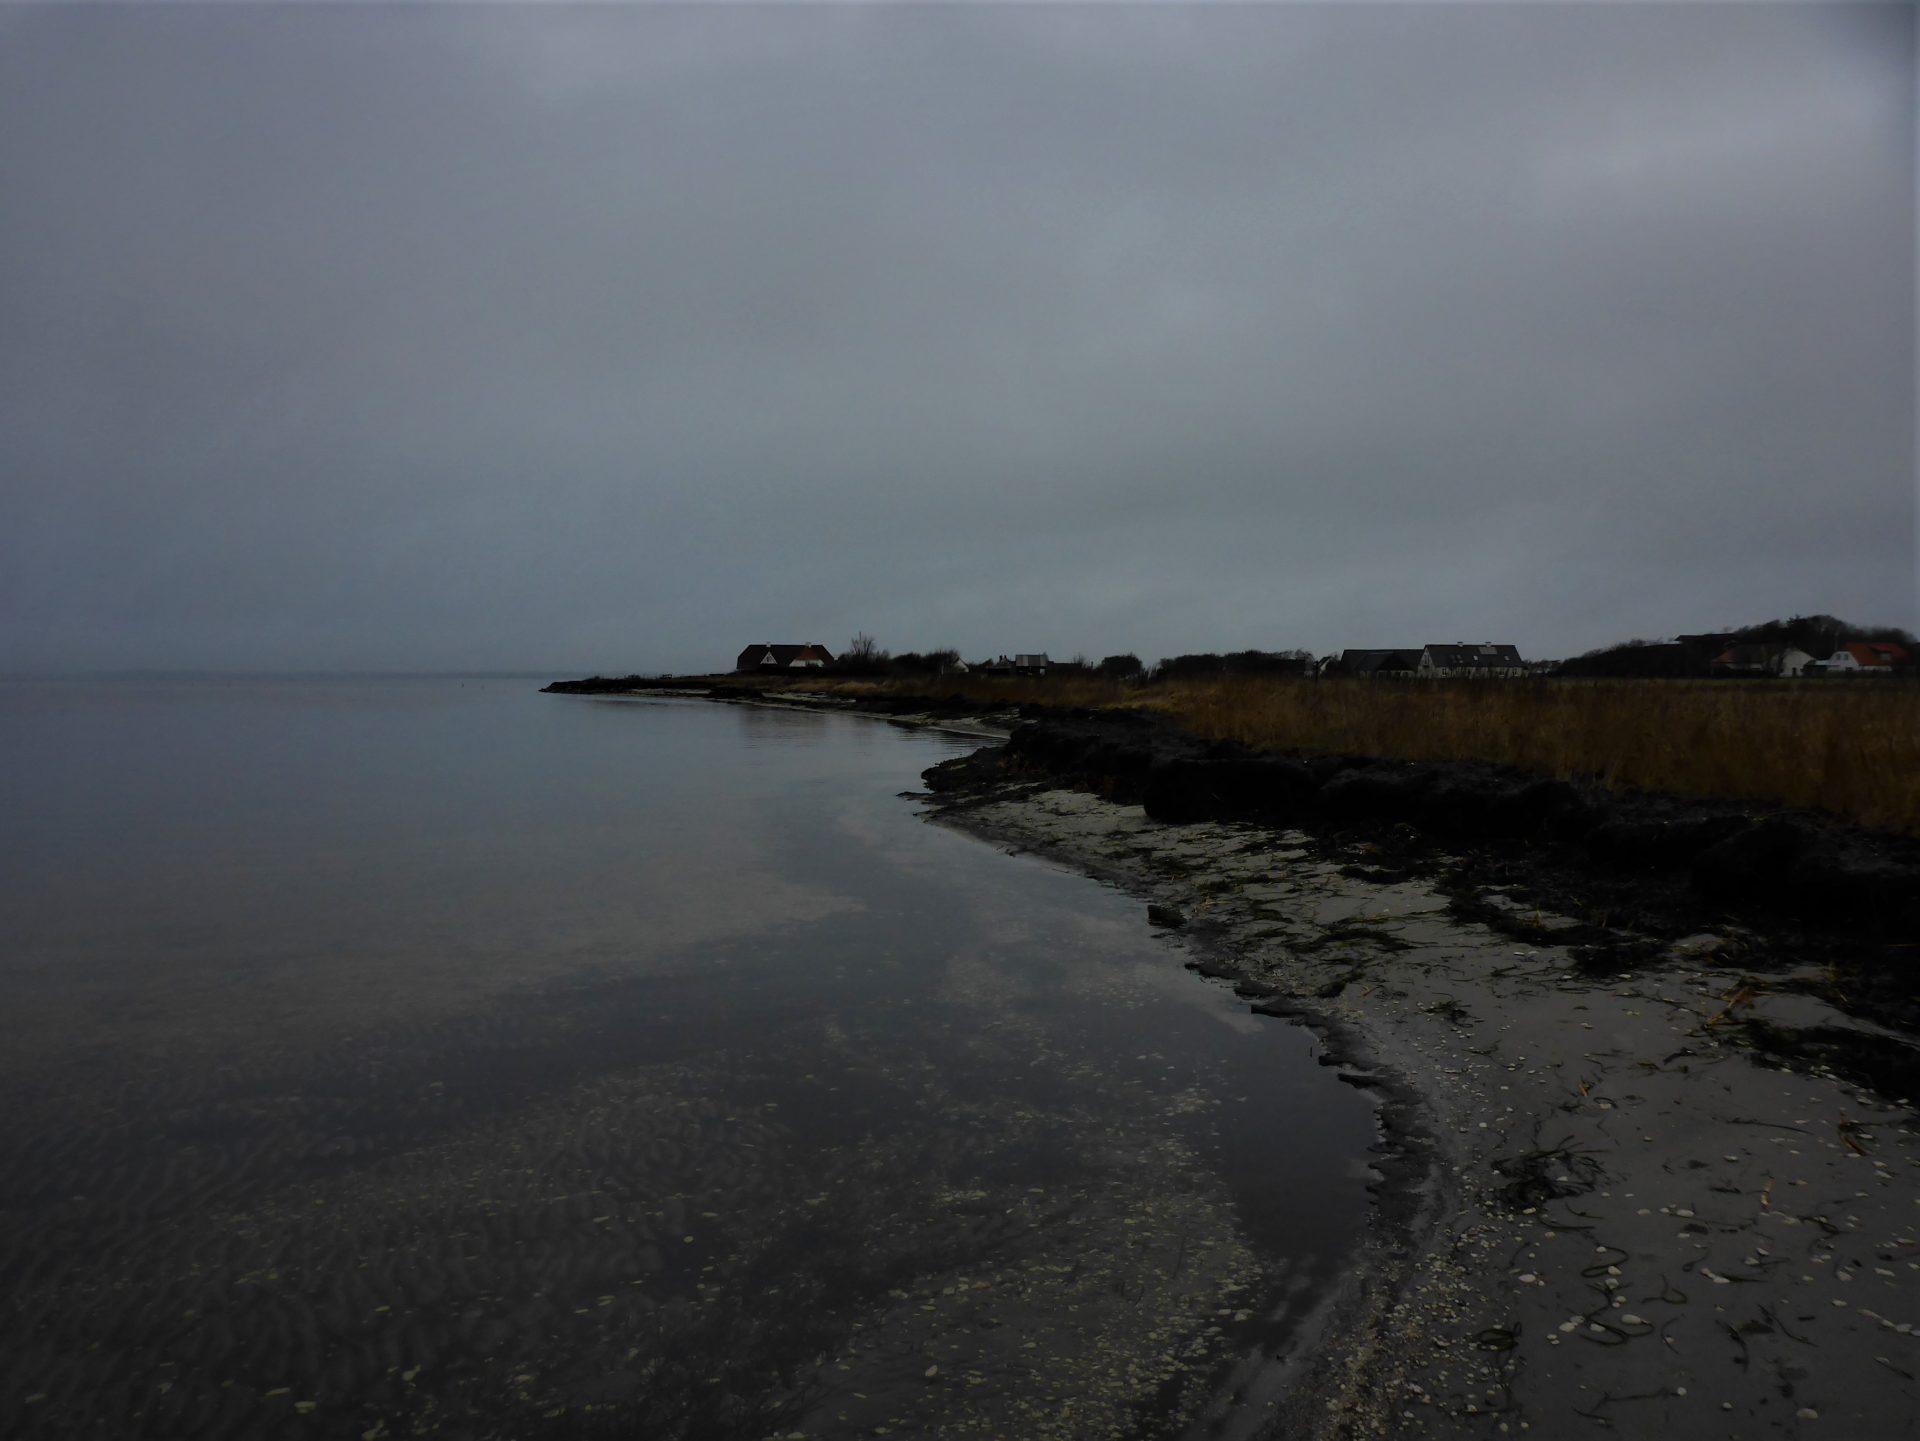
{"type": "Point", "coordinates": [1846, 750]}
{"type": "Point", "coordinates": [1630, 965]}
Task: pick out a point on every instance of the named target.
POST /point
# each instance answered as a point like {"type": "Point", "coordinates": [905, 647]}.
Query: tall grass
{"type": "Point", "coordinates": [1848, 747]}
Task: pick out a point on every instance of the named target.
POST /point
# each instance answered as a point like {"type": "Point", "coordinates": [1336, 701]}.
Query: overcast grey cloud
{"type": "Point", "coordinates": [590, 337]}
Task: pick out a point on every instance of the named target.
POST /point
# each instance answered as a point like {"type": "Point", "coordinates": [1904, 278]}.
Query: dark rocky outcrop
{"type": "Point", "coordinates": [1270, 788]}
{"type": "Point", "coordinates": [974, 772]}
{"type": "Point", "coordinates": [1757, 860]}
{"type": "Point", "coordinates": [1655, 840]}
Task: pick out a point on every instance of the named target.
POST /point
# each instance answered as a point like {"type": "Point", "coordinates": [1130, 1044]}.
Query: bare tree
{"type": "Point", "coordinates": [862, 656]}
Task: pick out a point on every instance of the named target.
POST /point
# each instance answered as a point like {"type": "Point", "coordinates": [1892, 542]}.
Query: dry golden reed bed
{"type": "Point", "coordinates": [1848, 747]}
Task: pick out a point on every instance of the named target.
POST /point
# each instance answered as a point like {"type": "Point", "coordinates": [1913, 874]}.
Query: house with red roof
{"type": "Point", "coordinates": [1869, 657]}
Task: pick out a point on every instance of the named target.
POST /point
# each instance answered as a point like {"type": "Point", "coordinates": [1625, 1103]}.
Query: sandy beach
{"type": "Point", "coordinates": [1601, 1207]}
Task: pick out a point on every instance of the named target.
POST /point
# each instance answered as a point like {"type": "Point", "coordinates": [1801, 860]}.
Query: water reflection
{"type": "Point", "coordinates": [773, 725]}
{"type": "Point", "coordinates": [848, 1122]}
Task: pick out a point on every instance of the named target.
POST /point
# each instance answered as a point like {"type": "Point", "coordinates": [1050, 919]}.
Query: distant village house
{"type": "Point", "coordinates": [1866, 658]}
{"type": "Point", "coordinates": [1756, 658]}
{"type": "Point", "coordinates": [1478, 662]}
{"type": "Point", "coordinates": [1378, 662]}
{"type": "Point", "coordinates": [783, 657]}
{"type": "Point", "coordinates": [1434, 662]}
{"type": "Point", "coordinates": [1035, 663]}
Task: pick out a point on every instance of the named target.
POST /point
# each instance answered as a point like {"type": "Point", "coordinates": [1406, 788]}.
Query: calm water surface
{"type": "Point", "coordinates": [429, 1057]}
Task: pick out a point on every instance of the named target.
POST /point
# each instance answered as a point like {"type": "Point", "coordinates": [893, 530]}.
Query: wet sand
{"type": "Point", "coordinates": [1606, 1210]}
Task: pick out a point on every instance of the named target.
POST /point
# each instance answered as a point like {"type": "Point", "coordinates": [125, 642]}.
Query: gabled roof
{"type": "Point", "coordinates": [755, 656]}
{"type": "Point", "coordinates": [1467, 657]}
{"type": "Point", "coordinates": [1368, 662]}
{"type": "Point", "coordinates": [1876, 652]}
{"type": "Point", "coordinates": [1752, 653]}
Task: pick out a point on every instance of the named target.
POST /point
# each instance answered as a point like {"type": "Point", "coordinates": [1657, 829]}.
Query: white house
{"type": "Point", "coordinates": [1867, 657]}
{"type": "Point", "coordinates": [1759, 658]}
{"type": "Point", "coordinates": [1441, 662]}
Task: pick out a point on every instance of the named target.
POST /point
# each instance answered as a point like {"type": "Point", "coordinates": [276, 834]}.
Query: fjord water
{"type": "Point", "coordinates": [388, 1057]}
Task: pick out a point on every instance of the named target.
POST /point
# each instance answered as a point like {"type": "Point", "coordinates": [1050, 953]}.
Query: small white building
{"type": "Point", "coordinates": [1760, 658]}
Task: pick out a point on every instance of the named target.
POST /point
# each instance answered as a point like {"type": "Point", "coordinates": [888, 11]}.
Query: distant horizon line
{"type": "Point", "coordinates": [238, 673]}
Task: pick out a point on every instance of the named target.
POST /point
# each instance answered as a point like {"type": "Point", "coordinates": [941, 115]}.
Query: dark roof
{"type": "Point", "coordinates": [1467, 657]}
{"type": "Point", "coordinates": [1751, 654]}
{"type": "Point", "coordinates": [1368, 662]}
{"type": "Point", "coordinates": [783, 655]}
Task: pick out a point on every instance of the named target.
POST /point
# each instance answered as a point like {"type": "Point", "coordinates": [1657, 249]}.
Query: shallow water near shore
{"type": "Point", "coordinates": [403, 1057]}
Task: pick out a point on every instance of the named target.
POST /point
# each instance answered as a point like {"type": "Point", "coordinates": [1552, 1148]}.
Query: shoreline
{"type": "Point", "coordinates": [1594, 1206]}
{"type": "Point", "coordinates": [1603, 1199]}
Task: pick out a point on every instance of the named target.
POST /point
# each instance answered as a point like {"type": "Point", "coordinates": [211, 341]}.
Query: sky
{"type": "Point", "coordinates": [576, 338]}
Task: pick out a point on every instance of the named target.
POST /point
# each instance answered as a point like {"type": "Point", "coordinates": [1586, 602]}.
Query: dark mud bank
{"type": "Point", "coordinates": [1635, 850]}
